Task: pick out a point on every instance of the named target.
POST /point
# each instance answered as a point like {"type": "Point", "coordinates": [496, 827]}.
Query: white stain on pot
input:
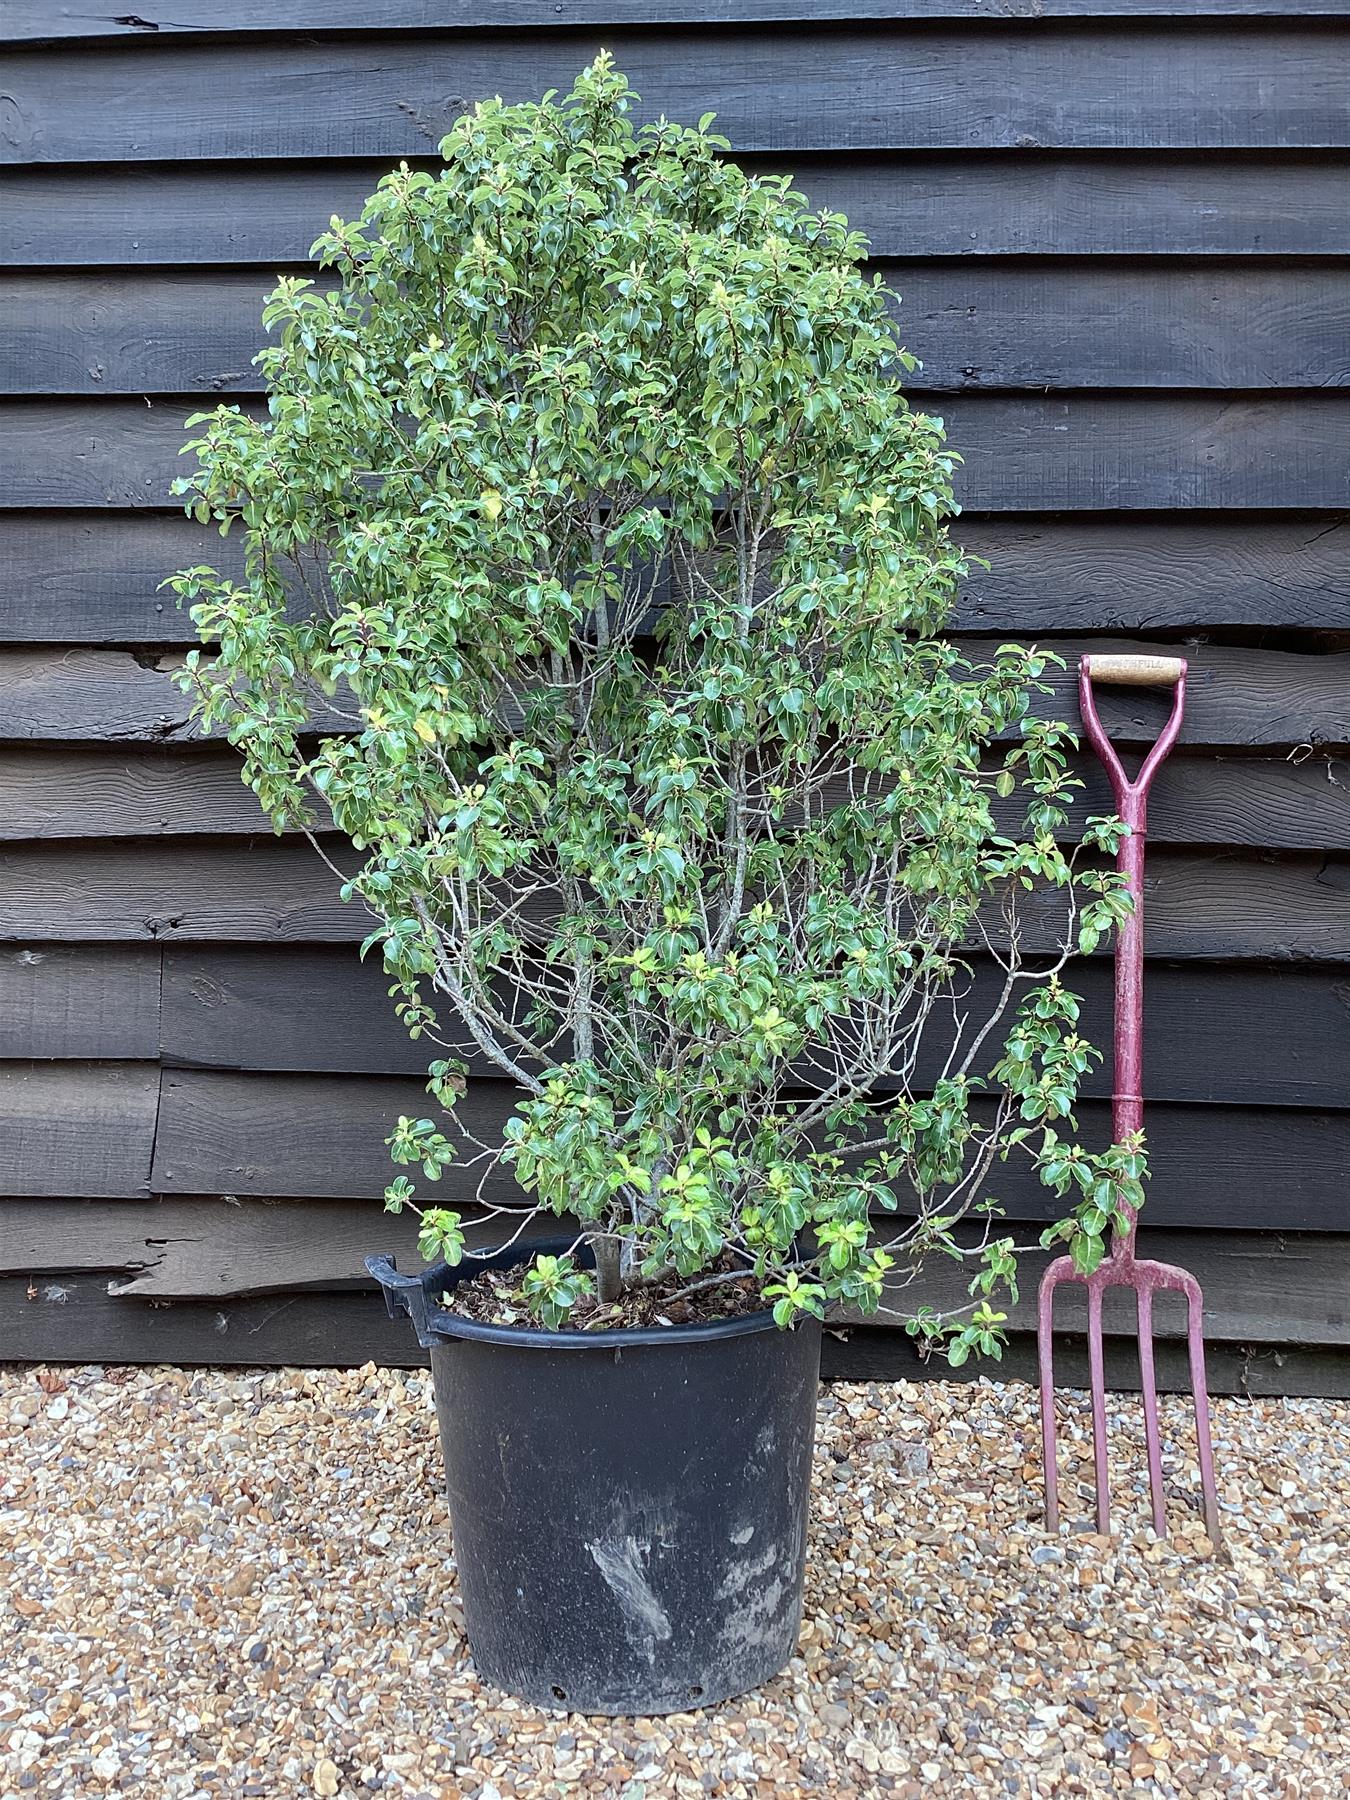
{"type": "Point", "coordinates": [622, 1563]}
{"type": "Point", "coordinates": [760, 1588]}
{"type": "Point", "coordinates": [742, 1575]}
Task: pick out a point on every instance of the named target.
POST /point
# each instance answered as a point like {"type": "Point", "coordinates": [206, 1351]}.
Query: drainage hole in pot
{"type": "Point", "coordinates": [561, 1693]}
{"type": "Point", "coordinates": [696, 1692]}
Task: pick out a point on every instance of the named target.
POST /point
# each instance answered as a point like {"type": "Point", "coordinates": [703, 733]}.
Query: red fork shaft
{"type": "Point", "coordinates": [1131, 799]}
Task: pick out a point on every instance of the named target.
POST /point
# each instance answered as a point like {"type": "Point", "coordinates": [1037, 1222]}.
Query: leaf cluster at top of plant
{"type": "Point", "coordinates": [594, 566]}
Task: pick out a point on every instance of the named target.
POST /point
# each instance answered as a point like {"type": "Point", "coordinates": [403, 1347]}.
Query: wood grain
{"type": "Point", "coordinates": [1202, 905]}
{"type": "Point", "coordinates": [77, 1128]}
{"type": "Point", "coordinates": [74, 1319]}
{"type": "Point", "coordinates": [1044, 86]}
{"type": "Point", "coordinates": [1236, 1035]}
{"type": "Point", "coordinates": [1082, 452]}
{"type": "Point", "coordinates": [1155, 572]}
{"type": "Point", "coordinates": [915, 203]}
{"type": "Point", "coordinates": [94, 578]}
{"type": "Point", "coordinates": [35, 21]}
{"type": "Point", "coordinates": [60, 791]}
{"type": "Point", "coordinates": [73, 792]}
{"type": "Point", "coordinates": [974, 324]}
{"type": "Point", "coordinates": [301, 1136]}
{"type": "Point", "coordinates": [211, 1246]}
{"type": "Point", "coordinates": [1236, 698]}
{"type": "Point", "coordinates": [1283, 1290]}
{"type": "Point", "coordinates": [248, 890]}
{"type": "Point", "coordinates": [78, 695]}
{"type": "Point", "coordinates": [75, 695]}
{"type": "Point", "coordinates": [91, 578]}
{"type": "Point", "coordinates": [80, 1001]}
{"type": "Point", "coordinates": [1134, 450]}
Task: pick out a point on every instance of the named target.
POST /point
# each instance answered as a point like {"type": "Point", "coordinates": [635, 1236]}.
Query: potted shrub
{"type": "Point", "coordinates": [594, 570]}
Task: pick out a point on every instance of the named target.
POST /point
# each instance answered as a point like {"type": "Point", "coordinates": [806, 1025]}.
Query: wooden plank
{"type": "Point", "coordinates": [908, 204]}
{"type": "Point", "coordinates": [1237, 698]}
{"type": "Point", "coordinates": [1155, 572]}
{"type": "Point", "coordinates": [132, 333]}
{"type": "Point", "coordinates": [80, 1002]}
{"type": "Point", "coordinates": [103, 696]}
{"type": "Point", "coordinates": [1247, 1370]}
{"type": "Point", "coordinates": [1219, 1169]}
{"type": "Point", "coordinates": [213, 1248]}
{"type": "Point", "coordinates": [1245, 802]}
{"type": "Point", "coordinates": [1022, 453]}
{"type": "Point", "coordinates": [93, 578]}
{"type": "Point", "coordinates": [1259, 1287]}
{"type": "Point", "coordinates": [77, 1128]}
{"type": "Point", "coordinates": [73, 695]}
{"type": "Point", "coordinates": [1117, 204]}
{"type": "Point", "coordinates": [975, 324]}
{"type": "Point", "coordinates": [82, 453]}
{"type": "Point", "coordinates": [225, 1132]}
{"type": "Point", "coordinates": [1200, 905]}
{"type": "Point", "coordinates": [304, 1135]}
{"type": "Point", "coordinates": [1130, 451]}
{"type": "Point", "coordinates": [36, 21]}
{"type": "Point", "coordinates": [74, 792]}
{"type": "Point", "coordinates": [81, 793]}
{"type": "Point", "coordinates": [1054, 324]}
{"type": "Point", "coordinates": [1271, 908]}
{"type": "Point", "coordinates": [247, 890]}
{"type": "Point", "coordinates": [207, 1245]}
{"type": "Point", "coordinates": [75, 1321]}
{"type": "Point", "coordinates": [1042, 86]}
{"type": "Point", "coordinates": [1234, 698]}
{"type": "Point", "coordinates": [1229, 1034]}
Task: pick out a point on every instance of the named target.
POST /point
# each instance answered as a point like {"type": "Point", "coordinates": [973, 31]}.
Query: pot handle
{"type": "Point", "coordinates": [402, 1294]}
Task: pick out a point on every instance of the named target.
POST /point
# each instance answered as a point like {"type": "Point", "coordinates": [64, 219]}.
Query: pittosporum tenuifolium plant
{"type": "Point", "coordinates": [587, 500]}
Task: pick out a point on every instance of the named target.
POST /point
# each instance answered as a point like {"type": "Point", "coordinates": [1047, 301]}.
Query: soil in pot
{"type": "Point", "coordinates": [493, 1297]}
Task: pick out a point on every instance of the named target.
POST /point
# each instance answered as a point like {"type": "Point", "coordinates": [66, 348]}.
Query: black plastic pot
{"type": "Point", "coordinates": [629, 1507]}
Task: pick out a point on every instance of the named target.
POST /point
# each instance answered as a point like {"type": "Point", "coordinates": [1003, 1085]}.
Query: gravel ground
{"type": "Point", "coordinates": [237, 1584]}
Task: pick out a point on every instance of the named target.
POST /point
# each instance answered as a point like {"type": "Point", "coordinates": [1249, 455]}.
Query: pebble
{"type": "Point", "coordinates": [239, 1585]}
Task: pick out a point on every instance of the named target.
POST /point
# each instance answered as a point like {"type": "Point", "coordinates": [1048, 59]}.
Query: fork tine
{"type": "Point", "coordinates": [1149, 1387]}
{"type": "Point", "coordinates": [1196, 1345]}
{"type": "Point", "coordinates": [1045, 1303]}
{"type": "Point", "coordinates": [1097, 1376]}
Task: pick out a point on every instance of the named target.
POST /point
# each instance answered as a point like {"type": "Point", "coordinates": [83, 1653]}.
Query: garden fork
{"type": "Point", "coordinates": [1121, 1268]}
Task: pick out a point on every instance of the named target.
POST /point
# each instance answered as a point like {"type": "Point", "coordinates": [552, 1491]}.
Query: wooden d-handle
{"type": "Point", "coordinates": [1136, 671]}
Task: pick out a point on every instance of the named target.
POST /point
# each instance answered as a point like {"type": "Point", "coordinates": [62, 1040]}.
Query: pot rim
{"type": "Point", "coordinates": [418, 1297]}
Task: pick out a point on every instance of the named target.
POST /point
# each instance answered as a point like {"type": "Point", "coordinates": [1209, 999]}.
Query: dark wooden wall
{"type": "Point", "coordinates": [1121, 231]}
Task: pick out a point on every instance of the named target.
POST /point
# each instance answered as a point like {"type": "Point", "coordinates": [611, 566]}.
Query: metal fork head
{"type": "Point", "coordinates": [1145, 1278]}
